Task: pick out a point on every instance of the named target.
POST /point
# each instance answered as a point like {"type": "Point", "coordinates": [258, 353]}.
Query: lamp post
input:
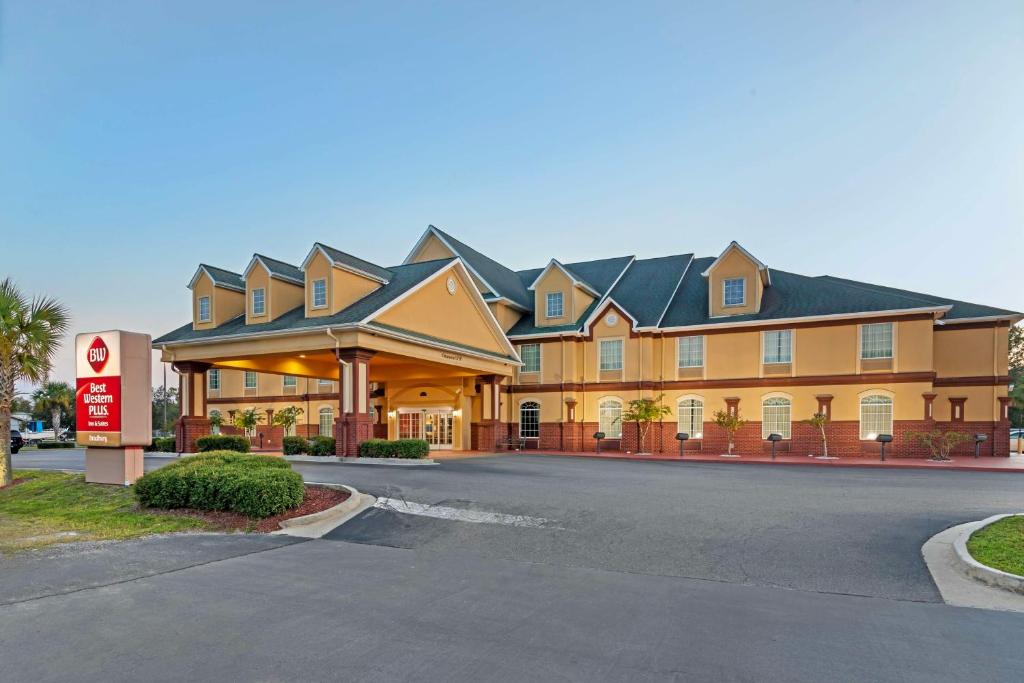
{"type": "Point", "coordinates": [598, 436]}
{"type": "Point", "coordinates": [883, 439]}
{"type": "Point", "coordinates": [978, 440]}
{"type": "Point", "coordinates": [774, 439]}
{"type": "Point", "coordinates": [681, 437]}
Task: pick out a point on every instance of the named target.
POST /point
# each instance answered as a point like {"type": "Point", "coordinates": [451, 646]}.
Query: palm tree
{"type": "Point", "coordinates": [55, 398]}
{"type": "Point", "coordinates": [30, 332]}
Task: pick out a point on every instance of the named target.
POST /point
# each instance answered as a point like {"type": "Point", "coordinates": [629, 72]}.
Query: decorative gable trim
{"type": "Point", "coordinates": [600, 311]}
{"type": "Point", "coordinates": [766, 276]}
{"type": "Point", "coordinates": [554, 263]}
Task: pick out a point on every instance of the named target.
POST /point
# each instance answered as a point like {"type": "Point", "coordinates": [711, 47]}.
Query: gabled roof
{"type": "Point", "coordinates": [647, 287]}
{"type": "Point", "coordinates": [348, 262]}
{"type": "Point", "coordinates": [220, 278]}
{"type": "Point", "coordinates": [502, 282]}
{"type": "Point", "coordinates": [762, 268]}
{"type": "Point", "coordinates": [277, 269]}
{"type": "Point", "coordinates": [573, 277]}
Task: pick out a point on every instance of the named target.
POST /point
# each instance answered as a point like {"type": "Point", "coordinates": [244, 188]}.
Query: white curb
{"type": "Point", "coordinates": [980, 572]}
{"type": "Point", "coordinates": [320, 523]}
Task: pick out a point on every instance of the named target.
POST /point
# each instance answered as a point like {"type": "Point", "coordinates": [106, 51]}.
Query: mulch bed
{"type": "Point", "coordinates": [318, 498]}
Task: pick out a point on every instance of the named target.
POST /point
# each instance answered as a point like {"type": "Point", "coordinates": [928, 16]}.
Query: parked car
{"type": "Point", "coordinates": [16, 441]}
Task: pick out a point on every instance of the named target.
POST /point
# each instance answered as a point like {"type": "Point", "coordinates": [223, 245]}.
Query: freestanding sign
{"type": "Point", "coordinates": [113, 404]}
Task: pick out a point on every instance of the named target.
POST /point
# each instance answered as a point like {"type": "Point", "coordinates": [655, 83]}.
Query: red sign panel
{"type": "Point", "coordinates": [98, 402]}
{"type": "Point", "coordinates": [97, 354]}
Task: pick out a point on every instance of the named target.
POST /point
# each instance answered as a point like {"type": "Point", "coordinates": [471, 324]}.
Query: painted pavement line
{"type": "Point", "coordinates": [460, 514]}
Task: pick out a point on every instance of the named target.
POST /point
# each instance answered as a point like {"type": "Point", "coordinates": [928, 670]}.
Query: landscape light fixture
{"type": "Point", "coordinates": [774, 439]}
{"type": "Point", "coordinates": [978, 440]}
{"type": "Point", "coordinates": [681, 437]}
{"type": "Point", "coordinates": [883, 439]}
{"type": "Point", "coordinates": [598, 436]}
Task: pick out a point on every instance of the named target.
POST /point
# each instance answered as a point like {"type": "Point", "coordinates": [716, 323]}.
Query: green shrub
{"type": "Point", "coordinates": [253, 485]}
{"type": "Point", "coordinates": [55, 444]}
{"type": "Point", "coordinates": [402, 448]}
{"type": "Point", "coordinates": [294, 445]}
{"type": "Point", "coordinates": [321, 445]}
{"type": "Point", "coordinates": [222, 442]}
{"type": "Point", "coordinates": [163, 444]}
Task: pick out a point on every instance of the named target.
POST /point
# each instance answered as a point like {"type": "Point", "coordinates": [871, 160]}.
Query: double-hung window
{"type": "Point", "coordinates": [610, 352]}
{"type": "Point", "coordinates": [530, 353]}
{"type": "Point", "coordinates": [250, 379]}
{"type": "Point", "coordinates": [778, 346]}
{"type": "Point", "coordinates": [734, 291]}
{"type": "Point", "coordinates": [555, 305]}
{"type": "Point", "coordinates": [776, 417]}
{"type": "Point", "coordinates": [876, 341]}
{"type": "Point", "coordinates": [691, 352]}
{"type": "Point", "coordinates": [204, 309]}
{"type": "Point", "coordinates": [213, 377]}
{"type": "Point", "coordinates": [259, 301]}
{"type": "Point", "coordinates": [319, 293]}
{"type": "Point", "coordinates": [289, 382]}
{"type": "Point", "coordinates": [875, 416]}
{"type": "Point", "coordinates": [529, 420]}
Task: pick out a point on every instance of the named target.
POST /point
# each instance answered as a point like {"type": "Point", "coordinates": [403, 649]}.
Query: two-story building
{"type": "Point", "coordinates": [454, 347]}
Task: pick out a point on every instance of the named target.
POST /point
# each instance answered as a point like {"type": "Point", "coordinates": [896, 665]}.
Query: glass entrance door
{"type": "Point", "coordinates": [437, 429]}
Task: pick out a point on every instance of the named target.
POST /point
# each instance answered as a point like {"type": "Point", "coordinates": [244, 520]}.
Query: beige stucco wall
{"type": "Point", "coordinates": [971, 352]}
{"type": "Point", "coordinates": [734, 264]}
{"type": "Point", "coordinates": [504, 314]}
{"type": "Point", "coordinates": [225, 304]}
{"type": "Point", "coordinates": [555, 280]}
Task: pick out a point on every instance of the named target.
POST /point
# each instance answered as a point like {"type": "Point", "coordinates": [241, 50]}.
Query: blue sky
{"type": "Point", "coordinates": [873, 140]}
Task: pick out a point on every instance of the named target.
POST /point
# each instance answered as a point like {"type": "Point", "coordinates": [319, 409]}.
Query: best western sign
{"type": "Point", "coordinates": [113, 397]}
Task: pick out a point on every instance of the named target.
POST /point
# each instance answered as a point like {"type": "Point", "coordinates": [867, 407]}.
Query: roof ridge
{"type": "Point", "coordinates": [867, 287]}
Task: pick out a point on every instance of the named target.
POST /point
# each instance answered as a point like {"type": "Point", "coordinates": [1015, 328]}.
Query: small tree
{"type": "Point", "coordinates": [940, 443]}
{"type": "Point", "coordinates": [55, 398]}
{"type": "Point", "coordinates": [246, 420]}
{"type": "Point", "coordinates": [287, 418]}
{"type": "Point", "coordinates": [731, 423]}
{"type": "Point", "coordinates": [818, 421]}
{"type": "Point", "coordinates": [216, 421]}
{"type": "Point", "coordinates": [645, 411]}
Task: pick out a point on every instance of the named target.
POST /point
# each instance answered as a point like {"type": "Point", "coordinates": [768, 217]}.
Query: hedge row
{"type": "Point", "coordinates": [55, 444]}
{"type": "Point", "coordinates": [253, 485]}
{"type": "Point", "coordinates": [163, 444]}
{"type": "Point", "coordinates": [402, 448]}
{"type": "Point", "coordinates": [318, 445]}
{"type": "Point", "coordinates": [222, 442]}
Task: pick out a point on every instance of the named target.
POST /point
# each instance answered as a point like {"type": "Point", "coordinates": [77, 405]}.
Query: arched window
{"type": "Point", "coordinates": [609, 415]}
{"type": "Point", "coordinates": [326, 421]}
{"type": "Point", "coordinates": [775, 417]}
{"type": "Point", "coordinates": [691, 417]}
{"type": "Point", "coordinates": [875, 416]}
{"type": "Point", "coordinates": [529, 420]}
{"type": "Point", "coordinates": [215, 421]}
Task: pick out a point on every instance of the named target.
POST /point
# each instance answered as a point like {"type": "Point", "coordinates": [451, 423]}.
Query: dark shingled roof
{"type": "Point", "coordinates": [355, 262]}
{"type": "Point", "coordinates": [282, 269]}
{"type": "Point", "coordinates": [225, 278]}
{"type": "Point", "coordinates": [497, 276]}
{"type": "Point", "coordinates": [648, 285]}
{"type": "Point", "coordinates": [404, 278]}
{"type": "Point", "coordinates": [961, 309]}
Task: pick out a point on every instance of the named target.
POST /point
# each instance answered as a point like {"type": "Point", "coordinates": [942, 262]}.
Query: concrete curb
{"type": "Point", "coordinates": [320, 523]}
{"type": "Point", "coordinates": [980, 572]}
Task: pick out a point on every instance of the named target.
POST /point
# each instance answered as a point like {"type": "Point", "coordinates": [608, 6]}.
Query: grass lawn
{"type": "Point", "coordinates": [55, 507]}
{"type": "Point", "coordinates": [1000, 545]}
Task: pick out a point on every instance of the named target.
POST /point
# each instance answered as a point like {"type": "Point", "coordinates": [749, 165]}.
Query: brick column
{"type": "Point", "coordinates": [353, 425]}
{"type": "Point", "coordinates": [486, 432]}
{"type": "Point", "coordinates": [1001, 438]}
{"type": "Point", "coordinates": [572, 437]}
{"type": "Point", "coordinates": [193, 422]}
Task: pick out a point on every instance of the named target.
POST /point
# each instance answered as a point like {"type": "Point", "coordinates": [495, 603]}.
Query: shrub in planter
{"type": "Point", "coordinates": [294, 445]}
{"type": "Point", "coordinates": [163, 444]}
{"type": "Point", "coordinates": [253, 485]}
{"type": "Point", "coordinates": [321, 445]}
{"type": "Point", "coordinates": [402, 448]}
{"type": "Point", "coordinates": [222, 442]}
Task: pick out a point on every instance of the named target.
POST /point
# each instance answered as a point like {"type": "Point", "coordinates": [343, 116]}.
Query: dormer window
{"type": "Point", "coordinates": [204, 309]}
{"type": "Point", "coordinates": [555, 305]}
{"type": "Point", "coordinates": [320, 293]}
{"type": "Point", "coordinates": [259, 301]}
{"type": "Point", "coordinates": [735, 291]}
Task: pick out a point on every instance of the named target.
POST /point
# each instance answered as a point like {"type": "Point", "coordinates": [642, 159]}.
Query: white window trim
{"type": "Point", "coordinates": [519, 417]}
{"type": "Point", "coordinates": [622, 358]}
{"type": "Point", "coordinates": [860, 410]}
{"type": "Point", "coordinates": [860, 342]}
{"type": "Point", "coordinates": [314, 304]}
{"type": "Point", "coordinates": [209, 309]}
{"type": "Point", "coordinates": [703, 404]}
{"type": "Point", "coordinates": [214, 372]}
{"type": "Point", "coordinates": [245, 385]}
{"type": "Point", "coordinates": [540, 360]}
{"type": "Point", "coordinates": [792, 349]}
{"type": "Point", "coordinates": [729, 279]}
{"type": "Point", "coordinates": [252, 302]}
{"type": "Point", "coordinates": [622, 409]}
{"type": "Point", "coordinates": [284, 385]}
{"type": "Point", "coordinates": [703, 352]}
{"type": "Point", "coordinates": [789, 400]}
{"type": "Point", "coordinates": [320, 421]}
{"type": "Point", "coordinates": [547, 304]}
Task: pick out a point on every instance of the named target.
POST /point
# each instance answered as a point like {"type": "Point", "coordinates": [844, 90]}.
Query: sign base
{"type": "Point", "coordinates": [122, 466]}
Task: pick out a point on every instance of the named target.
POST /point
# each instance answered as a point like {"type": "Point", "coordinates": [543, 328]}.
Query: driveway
{"type": "Point", "coordinates": [580, 570]}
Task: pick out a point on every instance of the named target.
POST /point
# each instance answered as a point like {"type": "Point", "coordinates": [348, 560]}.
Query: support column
{"type": "Point", "coordinates": [193, 422]}
{"type": "Point", "coordinates": [354, 425]}
{"type": "Point", "coordinates": [486, 433]}
{"type": "Point", "coordinates": [572, 437]}
{"type": "Point", "coordinates": [1001, 445]}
